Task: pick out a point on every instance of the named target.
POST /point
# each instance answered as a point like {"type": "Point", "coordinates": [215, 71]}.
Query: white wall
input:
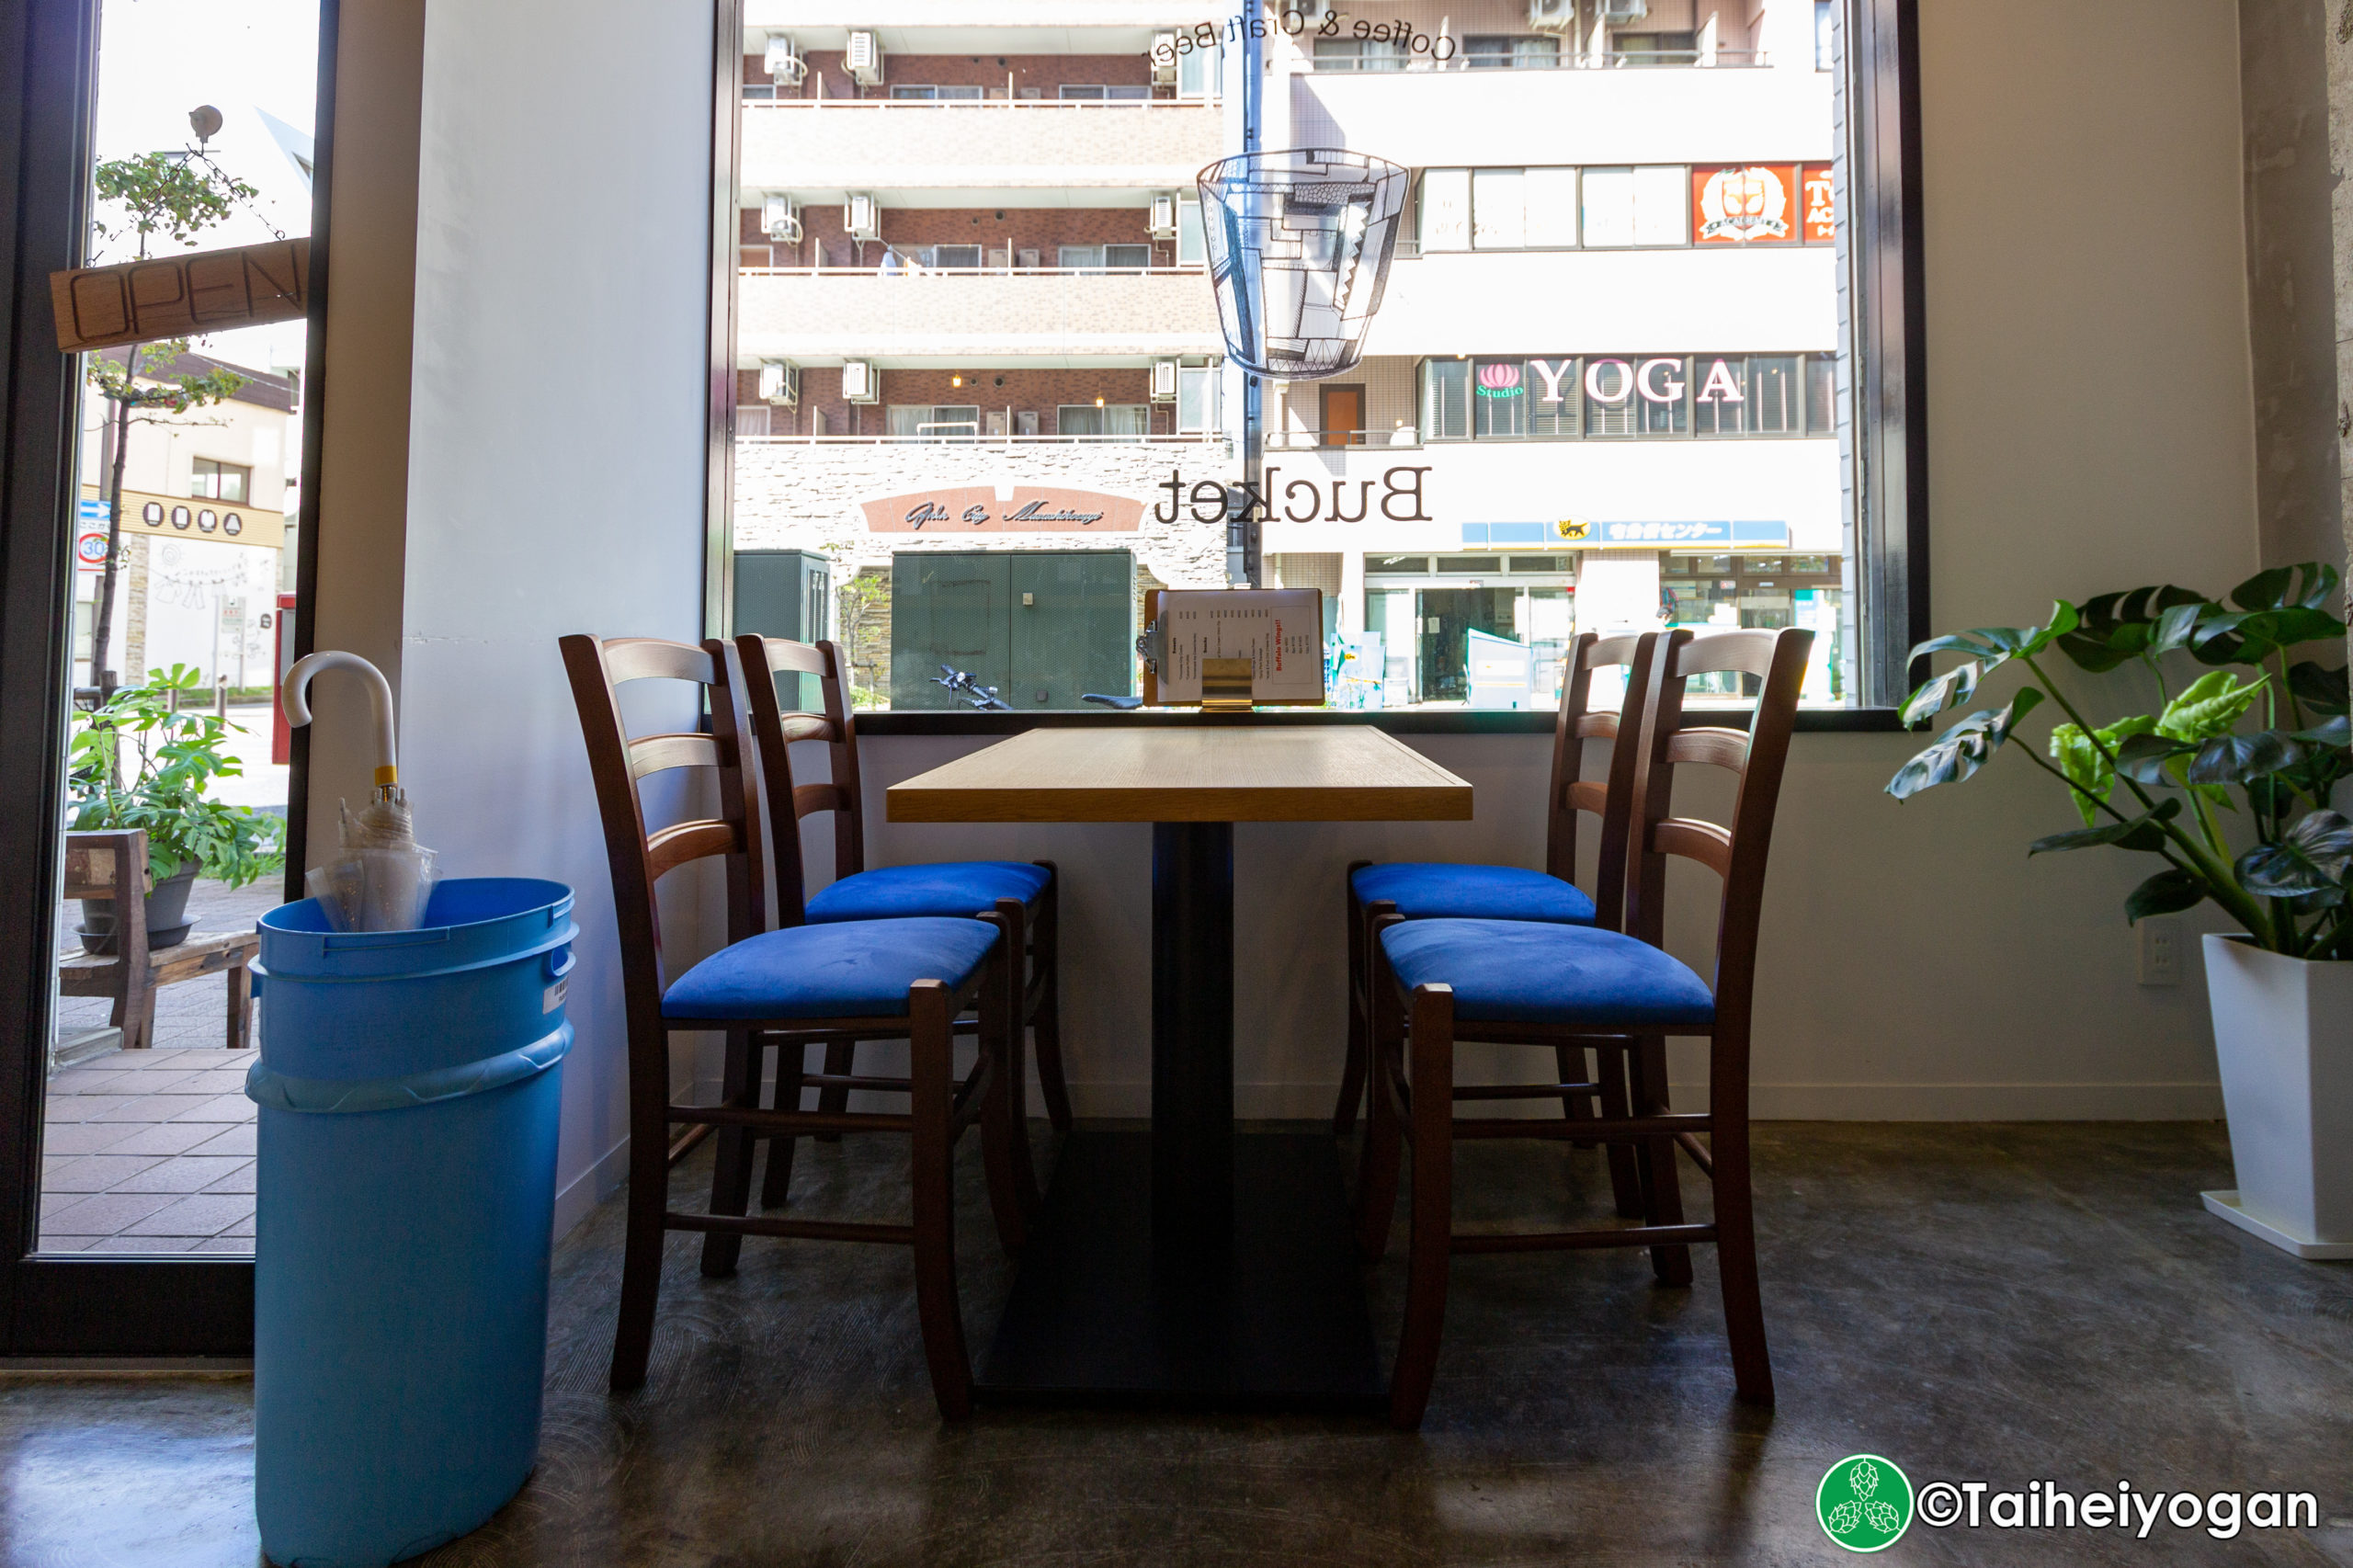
{"type": "Point", "coordinates": [556, 468]}
{"type": "Point", "coordinates": [2090, 428]}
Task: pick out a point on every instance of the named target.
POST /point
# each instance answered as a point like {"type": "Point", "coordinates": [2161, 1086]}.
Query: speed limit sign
{"type": "Point", "coordinates": [90, 551]}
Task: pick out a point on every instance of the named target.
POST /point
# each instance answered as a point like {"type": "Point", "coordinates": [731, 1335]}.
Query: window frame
{"type": "Point", "coordinates": [1882, 389]}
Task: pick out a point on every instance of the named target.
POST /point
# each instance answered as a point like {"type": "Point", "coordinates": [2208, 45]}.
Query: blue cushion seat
{"type": "Point", "coordinates": [859, 971]}
{"type": "Point", "coordinates": [1430, 890]}
{"type": "Point", "coordinates": [1522, 972]}
{"type": "Point", "coordinates": [947, 887]}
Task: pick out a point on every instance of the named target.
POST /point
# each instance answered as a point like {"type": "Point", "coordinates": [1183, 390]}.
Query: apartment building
{"type": "Point", "coordinates": [973, 265]}
{"type": "Point", "coordinates": [208, 530]}
{"type": "Point", "coordinates": [972, 307]}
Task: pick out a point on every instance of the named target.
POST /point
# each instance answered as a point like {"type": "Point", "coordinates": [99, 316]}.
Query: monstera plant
{"type": "Point", "coordinates": [2227, 779]}
{"type": "Point", "coordinates": [2226, 775]}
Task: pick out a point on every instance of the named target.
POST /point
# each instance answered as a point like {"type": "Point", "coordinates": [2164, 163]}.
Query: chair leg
{"type": "Point", "coordinates": [1430, 1052]}
{"type": "Point", "coordinates": [776, 1181]}
{"type": "Point", "coordinates": [731, 1172]}
{"type": "Point", "coordinates": [1048, 1021]}
{"type": "Point", "coordinates": [1735, 1221]}
{"type": "Point", "coordinates": [1625, 1172]}
{"type": "Point", "coordinates": [241, 1008]}
{"type": "Point", "coordinates": [649, 1197]}
{"type": "Point", "coordinates": [1003, 1131]}
{"type": "Point", "coordinates": [1568, 1060]}
{"type": "Point", "coordinates": [1377, 1161]}
{"type": "Point", "coordinates": [1352, 1071]}
{"type": "Point", "coordinates": [931, 1048]}
{"type": "Point", "coordinates": [841, 1059]}
{"type": "Point", "coordinates": [1662, 1187]}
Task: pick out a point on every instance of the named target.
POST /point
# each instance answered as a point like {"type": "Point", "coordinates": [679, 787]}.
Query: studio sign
{"type": "Point", "coordinates": [984, 508]}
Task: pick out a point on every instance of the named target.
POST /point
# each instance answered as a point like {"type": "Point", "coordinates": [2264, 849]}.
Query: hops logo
{"type": "Point", "coordinates": [1743, 204]}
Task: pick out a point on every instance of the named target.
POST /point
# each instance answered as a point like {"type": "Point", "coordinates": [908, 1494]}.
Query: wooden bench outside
{"type": "Point", "coordinates": [113, 865]}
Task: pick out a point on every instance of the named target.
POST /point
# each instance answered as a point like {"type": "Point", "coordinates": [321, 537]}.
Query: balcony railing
{"type": "Point", "coordinates": [995, 100]}
{"type": "Point", "coordinates": [1626, 60]}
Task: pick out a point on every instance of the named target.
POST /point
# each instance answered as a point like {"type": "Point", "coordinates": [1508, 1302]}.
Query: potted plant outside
{"type": "Point", "coordinates": [2229, 781]}
{"type": "Point", "coordinates": [171, 757]}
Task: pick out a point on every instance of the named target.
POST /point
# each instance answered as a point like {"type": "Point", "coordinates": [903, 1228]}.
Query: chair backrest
{"type": "Point", "coordinates": [111, 863]}
{"type": "Point", "coordinates": [774, 729]}
{"type": "Point", "coordinates": [1610, 798]}
{"type": "Point", "coordinates": [1737, 852]}
{"type": "Point", "coordinates": [641, 856]}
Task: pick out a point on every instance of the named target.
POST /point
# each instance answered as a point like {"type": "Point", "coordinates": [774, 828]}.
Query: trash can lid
{"type": "Point", "coordinates": [470, 921]}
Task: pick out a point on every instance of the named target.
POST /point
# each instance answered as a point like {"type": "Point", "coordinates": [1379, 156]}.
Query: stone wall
{"type": "Point", "coordinates": [794, 496]}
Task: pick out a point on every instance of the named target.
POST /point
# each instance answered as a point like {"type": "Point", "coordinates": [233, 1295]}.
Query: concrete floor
{"type": "Point", "coordinates": [2003, 1304]}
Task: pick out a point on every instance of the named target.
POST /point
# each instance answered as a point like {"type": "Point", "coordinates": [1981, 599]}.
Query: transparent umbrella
{"type": "Point", "coordinates": [1299, 244]}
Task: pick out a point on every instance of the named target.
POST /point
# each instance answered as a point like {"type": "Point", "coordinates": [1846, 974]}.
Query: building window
{"type": "Point", "coordinates": [932, 422]}
{"type": "Point", "coordinates": [1654, 48]}
{"type": "Point", "coordinates": [220, 481]}
{"type": "Point", "coordinates": [1825, 38]}
{"type": "Point", "coordinates": [1197, 398]}
{"type": "Point", "coordinates": [1644, 206]}
{"type": "Point", "coordinates": [1512, 53]}
{"type": "Point", "coordinates": [1077, 92]}
{"type": "Point", "coordinates": [1130, 419]}
{"type": "Point", "coordinates": [1359, 54]}
{"type": "Point", "coordinates": [1090, 258]}
{"type": "Point", "coordinates": [924, 94]}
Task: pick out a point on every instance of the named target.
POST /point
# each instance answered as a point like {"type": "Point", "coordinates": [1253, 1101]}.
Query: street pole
{"type": "Point", "coordinates": [1244, 560]}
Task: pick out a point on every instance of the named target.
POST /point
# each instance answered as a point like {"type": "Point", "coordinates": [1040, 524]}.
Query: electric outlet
{"type": "Point", "coordinates": [2160, 951]}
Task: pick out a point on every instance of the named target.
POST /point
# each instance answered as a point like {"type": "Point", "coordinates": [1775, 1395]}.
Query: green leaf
{"type": "Point", "coordinates": [2311, 858]}
{"type": "Point", "coordinates": [2238, 759]}
{"type": "Point", "coordinates": [2145, 834]}
{"type": "Point", "coordinates": [2209, 705]}
{"type": "Point", "coordinates": [2311, 585]}
{"type": "Point", "coordinates": [2319, 687]}
{"type": "Point", "coordinates": [1961, 751]}
{"type": "Point", "coordinates": [2169, 892]}
{"type": "Point", "coordinates": [2143, 758]}
{"type": "Point", "coordinates": [1989, 648]}
{"type": "Point", "coordinates": [2085, 767]}
{"type": "Point", "coordinates": [2115, 628]}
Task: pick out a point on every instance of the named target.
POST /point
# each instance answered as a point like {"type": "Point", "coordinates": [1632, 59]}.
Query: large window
{"type": "Point", "coordinates": [220, 480]}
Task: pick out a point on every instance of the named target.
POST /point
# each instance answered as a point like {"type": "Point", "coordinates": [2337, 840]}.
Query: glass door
{"type": "Point", "coordinates": [151, 562]}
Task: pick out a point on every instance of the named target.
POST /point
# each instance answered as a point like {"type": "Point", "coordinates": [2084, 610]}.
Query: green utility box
{"type": "Point", "coordinates": [786, 593]}
{"type": "Point", "coordinates": [1043, 626]}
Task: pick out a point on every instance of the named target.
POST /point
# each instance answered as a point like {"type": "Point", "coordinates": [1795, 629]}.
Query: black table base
{"type": "Point", "coordinates": [1191, 1266]}
{"type": "Point", "coordinates": [1101, 1315]}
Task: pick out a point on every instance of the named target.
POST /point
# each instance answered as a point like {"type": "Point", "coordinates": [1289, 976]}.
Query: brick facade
{"type": "Point", "coordinates": [1040, 392]}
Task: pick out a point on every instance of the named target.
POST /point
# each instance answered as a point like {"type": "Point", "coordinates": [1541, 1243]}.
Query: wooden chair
{"type": "Point", "coordinates": [952, 887]}
{"type": "Point", "coordinates": [1438, 890]}
{"type": "Point", "coordinates": [903, 979]}
{"type": "Point", "coordinates": [113, 865]}
{"type": "Point", "coordinates": [1444, 980]}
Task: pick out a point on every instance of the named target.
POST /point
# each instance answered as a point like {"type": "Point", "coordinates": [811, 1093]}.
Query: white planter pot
{"type": "Point", "coordinates": [2283, 1034]}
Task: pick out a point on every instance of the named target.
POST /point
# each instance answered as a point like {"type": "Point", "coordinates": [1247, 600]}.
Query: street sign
{"type": "Point", "coordinates": [90, 553]}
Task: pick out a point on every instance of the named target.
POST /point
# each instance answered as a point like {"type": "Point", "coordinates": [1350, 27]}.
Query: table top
{"type": "Point", "coordinates": [1277, 773]}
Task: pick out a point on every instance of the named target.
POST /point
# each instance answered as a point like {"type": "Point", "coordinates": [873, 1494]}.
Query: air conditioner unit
{"type": "Point", "coordinates": [864, 60]}
{"type": "Point", "coordinates": [1553, 16]}
{"type": "Point", "coordinates": [1163, 217]}
{"type": "Point", "coordinates": [780, 382]}
{"type": "Point", "coordinates": [1624, 13]}
{"type": "Point", "coordinates": [1163, 60]}
{"type": "Point", "coordinates": [780, 219]}
{"type": "Point", "coordinates": [784, 62]}
{"type": "Point", "coordinates": [1163, 381]}
{"type": "Point", "coordinates": [859, 382]}
{"type": "Point", "coordinates": [861, 217]}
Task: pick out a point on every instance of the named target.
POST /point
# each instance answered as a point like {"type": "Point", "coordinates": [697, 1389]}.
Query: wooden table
{"type": "Point", "coordinates": [1217, 1302]}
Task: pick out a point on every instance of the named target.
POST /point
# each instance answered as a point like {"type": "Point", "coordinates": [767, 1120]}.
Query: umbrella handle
{"type": "Point", "coordinates": [294, 697]}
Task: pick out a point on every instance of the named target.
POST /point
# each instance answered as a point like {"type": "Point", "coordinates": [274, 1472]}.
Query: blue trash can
{"type": "Point", "coordinates": [408, 1090]}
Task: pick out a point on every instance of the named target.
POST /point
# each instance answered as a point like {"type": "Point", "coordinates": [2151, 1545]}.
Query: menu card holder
{"type": "Point", "coordinates": [1232, 649]}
